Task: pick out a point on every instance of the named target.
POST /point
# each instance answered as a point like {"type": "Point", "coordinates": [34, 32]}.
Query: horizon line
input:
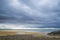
{"type": "Point", "coordinates": [28, 28]}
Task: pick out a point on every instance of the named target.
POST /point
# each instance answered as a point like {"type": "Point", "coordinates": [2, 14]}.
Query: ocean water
{"type": "Point", "coordinates": [42, 30]}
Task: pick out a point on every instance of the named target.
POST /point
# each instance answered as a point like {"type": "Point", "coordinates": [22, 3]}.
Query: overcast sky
{"type": "Point", "coordinates": [30, 13]}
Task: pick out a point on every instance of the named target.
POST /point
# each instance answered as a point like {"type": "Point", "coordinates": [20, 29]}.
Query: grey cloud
{"type": "Point", "coordinates": [46, 13]}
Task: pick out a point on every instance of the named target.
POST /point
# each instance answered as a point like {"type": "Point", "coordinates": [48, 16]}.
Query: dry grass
{"type": "Point", "coordinates": [35, 34]}
{"type": "Point", "coordinates": [5, 33]}
{"type": "Point", "coordinates": [12, 35]}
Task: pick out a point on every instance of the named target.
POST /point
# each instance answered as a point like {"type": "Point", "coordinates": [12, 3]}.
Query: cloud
{"type": "Point", "coordinates": [18, 26]}
{"type": "Point", "coordinates": [44, 13]}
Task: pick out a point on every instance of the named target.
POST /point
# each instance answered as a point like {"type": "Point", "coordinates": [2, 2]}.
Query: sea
{"type": "Point", "coordinates": [45, 30]}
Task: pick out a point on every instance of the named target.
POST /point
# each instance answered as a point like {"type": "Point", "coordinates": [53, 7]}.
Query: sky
{"type": "Point", "coordinates": [29, 14]}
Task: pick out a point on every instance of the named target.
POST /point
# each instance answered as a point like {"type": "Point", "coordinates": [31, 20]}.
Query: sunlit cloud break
{"type": "Point", "coordinates": [18, 26]}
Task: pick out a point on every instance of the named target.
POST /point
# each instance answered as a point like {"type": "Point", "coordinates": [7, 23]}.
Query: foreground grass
{"type": "Point", "coordinates": [5, 33]}
{"type": "Point", "coordinates": [12, 35]}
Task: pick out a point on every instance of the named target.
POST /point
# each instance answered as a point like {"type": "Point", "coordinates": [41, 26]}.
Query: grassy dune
{"type": "Point", "coordinates": [22, 35]}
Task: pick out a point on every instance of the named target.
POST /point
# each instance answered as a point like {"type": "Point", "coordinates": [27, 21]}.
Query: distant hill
{"type": "Point", "coordinates": [55, 33]}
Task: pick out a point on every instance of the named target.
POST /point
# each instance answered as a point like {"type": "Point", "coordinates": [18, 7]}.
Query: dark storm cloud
{"type": "Point", "coordinates": [40, 12]}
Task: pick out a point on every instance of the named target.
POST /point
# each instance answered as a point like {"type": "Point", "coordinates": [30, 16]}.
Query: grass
{"type": "Point", "coordinates": [12, 35]}
{"type": "Point", "coordinates": [5, 33]}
